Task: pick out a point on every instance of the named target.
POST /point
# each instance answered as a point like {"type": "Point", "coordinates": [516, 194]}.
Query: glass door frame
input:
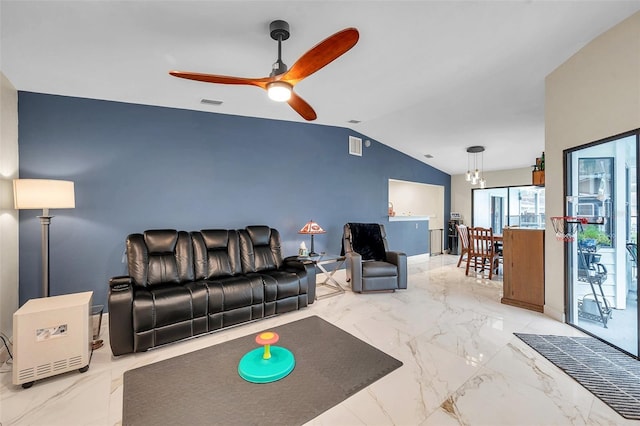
{"type": "Point", "coordinates": [568, 276]}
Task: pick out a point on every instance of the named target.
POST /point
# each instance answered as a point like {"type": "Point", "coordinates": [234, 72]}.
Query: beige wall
{"type": "Point", "coordinates": [8, 216]}
{"type": "Point", "coordinates": [593, 95]}
{"type": "Point", "coordinates": [461, 189]}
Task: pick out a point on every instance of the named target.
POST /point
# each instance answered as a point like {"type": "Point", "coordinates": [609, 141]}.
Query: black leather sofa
{"type": "Point", "coordinates": [183, 284]}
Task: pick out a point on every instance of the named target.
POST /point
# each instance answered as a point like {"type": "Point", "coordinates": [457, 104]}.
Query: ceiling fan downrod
{"type": "Point", "coordinates": [279, 31]}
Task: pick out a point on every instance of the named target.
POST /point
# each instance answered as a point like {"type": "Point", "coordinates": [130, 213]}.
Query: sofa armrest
{"type": "Point", "coordinates": [307, 268]}
{"type": "Point", "coordinates": [354, 270]}
{"type": "Point", "coordinates": [400, 260]}
{"type": "Point", "coordinates": [120, 304]}
{"type": "Point", "coordinates": [121, 282]}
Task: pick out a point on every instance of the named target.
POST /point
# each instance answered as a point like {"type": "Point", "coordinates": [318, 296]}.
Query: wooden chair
{"type": "Point", "coordinates": [463, 233]}
{"type": "Point", "coordinates": [482, 251]}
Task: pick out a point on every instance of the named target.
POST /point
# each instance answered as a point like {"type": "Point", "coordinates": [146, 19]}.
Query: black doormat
{"type": "Point", "coordinates": [609, 374]}
{"type": "Point", "coordinates": [204, 388]}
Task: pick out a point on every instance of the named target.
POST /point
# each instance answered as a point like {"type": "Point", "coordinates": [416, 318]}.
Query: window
{"type": "Point", "coordinates": [521, 206]}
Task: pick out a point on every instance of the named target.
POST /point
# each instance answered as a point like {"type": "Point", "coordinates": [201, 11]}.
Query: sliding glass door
{"type": "Point", "coordinates": [521, 206]}
{"type": "Point", "coordinates": [602, 277]}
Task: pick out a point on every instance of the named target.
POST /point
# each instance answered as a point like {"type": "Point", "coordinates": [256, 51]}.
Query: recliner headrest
{"type": "Point", "coordinates": [259, 234]}
{"type": "Point", "coordinates": [161, 240]}
{"type": "Point", "coordinates": [215, 238]}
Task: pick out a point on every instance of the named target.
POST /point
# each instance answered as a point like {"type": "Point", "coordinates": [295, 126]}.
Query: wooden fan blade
{"type": "Point", "coordinates": [302, 107]}
{"type": "Point", "coordinates": [322, 54]}
{"type": "Point", "coordinates": [222, 79]}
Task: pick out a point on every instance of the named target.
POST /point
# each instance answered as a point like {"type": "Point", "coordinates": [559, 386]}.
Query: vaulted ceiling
{"type": "Point", "coordinates": [426, 77]}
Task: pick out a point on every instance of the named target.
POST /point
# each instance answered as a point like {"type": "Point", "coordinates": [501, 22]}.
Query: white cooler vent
{"type": "Point", "coordinates": [355, 146]}
{"type": "Point", "coordinates": [27, 374]}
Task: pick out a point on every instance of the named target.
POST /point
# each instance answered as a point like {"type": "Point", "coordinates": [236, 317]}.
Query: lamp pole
{"type": "Point", "coordinates": [45, 221]}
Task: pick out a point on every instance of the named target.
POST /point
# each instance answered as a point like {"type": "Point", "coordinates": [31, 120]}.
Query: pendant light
{"type": "Point", "coordinates": [478, 172]}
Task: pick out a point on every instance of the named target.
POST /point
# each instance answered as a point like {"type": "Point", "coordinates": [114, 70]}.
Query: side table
{"type": "Point", "coordinates": [336, 262]}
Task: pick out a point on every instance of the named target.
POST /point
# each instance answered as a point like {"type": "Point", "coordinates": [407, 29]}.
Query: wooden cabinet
{"type": "Point", "coordinates": [523, 257]}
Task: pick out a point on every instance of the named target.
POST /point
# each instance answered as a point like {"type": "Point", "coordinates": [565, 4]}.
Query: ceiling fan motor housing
{"type": "Point", "coordinates": [279, 31]}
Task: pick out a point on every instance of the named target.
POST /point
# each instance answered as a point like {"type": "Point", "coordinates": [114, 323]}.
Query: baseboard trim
{"type": "Point", "coordinates": [418, 258]}
{"type": "Point", "coordinates": [554, 313]}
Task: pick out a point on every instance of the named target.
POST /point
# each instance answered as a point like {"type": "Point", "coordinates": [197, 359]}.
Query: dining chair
{"type": "Point", "coordinates": [482, 251]}
{"type": "Point", "coordinates": [463, 233]}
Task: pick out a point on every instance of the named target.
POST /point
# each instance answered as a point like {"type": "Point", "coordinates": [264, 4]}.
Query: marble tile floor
{"type": "Point", "coordinates": [462, 363]}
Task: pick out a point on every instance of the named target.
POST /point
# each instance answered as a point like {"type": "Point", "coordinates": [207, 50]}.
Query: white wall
{"type": "Point", "coordinates": [8, 216]}
{"type": "Point", "coordinates": [418, 199]}
{"type": "Point", "coordinates": [593, 95]}
{"type": "Point", "coordinates": [461, 189]}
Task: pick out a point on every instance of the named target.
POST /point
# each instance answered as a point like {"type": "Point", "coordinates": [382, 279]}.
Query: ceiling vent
{"type": "Point", "coordinates": [210, 102]}
{"type": "Point", "coordinates": [355, 146]}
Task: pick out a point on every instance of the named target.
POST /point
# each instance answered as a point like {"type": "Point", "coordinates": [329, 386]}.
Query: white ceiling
{"type": "Point", "coordinates": [426, 77]}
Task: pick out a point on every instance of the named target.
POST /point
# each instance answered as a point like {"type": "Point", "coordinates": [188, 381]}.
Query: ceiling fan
{"type": "Point", "coordinates": [279, 85]}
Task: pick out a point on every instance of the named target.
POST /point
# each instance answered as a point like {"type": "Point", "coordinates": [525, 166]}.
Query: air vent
{"type": "Point", "coordinates": [355, 146]}
{"type": "Point", "coordinates": [75, 361]}
{"type": "Point", "coordinates": [354, 121]}
{"type": "Point", "coordinates": [26, 374]}
{"type": "Point", "coordinates": [210, 102]}
{"type": "Point", "coordinates": [42, 370]}
{"type": "Point", "coordinates": [59, 365]}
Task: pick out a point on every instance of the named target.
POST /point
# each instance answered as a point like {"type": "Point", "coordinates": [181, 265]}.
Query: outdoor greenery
{"type": "Point", "coordinates": [593, 232]}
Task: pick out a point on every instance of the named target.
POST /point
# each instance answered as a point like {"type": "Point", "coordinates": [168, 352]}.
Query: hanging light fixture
{"type": "Point", "coordinates": [478, 172]}
{"type": "Point", "coordinates": [483, 181]}
{"type": "Point", "coordinates": [467, 177]}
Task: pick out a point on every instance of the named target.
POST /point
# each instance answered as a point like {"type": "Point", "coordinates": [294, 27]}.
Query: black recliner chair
{"type": "Point", "coordinates": [370, 264]}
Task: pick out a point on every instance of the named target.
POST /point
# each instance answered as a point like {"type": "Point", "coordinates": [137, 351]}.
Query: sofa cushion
{"type": "Point", "coordinates": [260, 249]}
{"type": "Point", "coordinates": [159, 257]}
{"type": "Point", "coordinates": [235, 299]}
{"type": "Point", "coordinates": [379, 269]}
{"type": "Point", "coordinates": [216, 253]}
{"type": "Point", "coordinates": [166, 313]}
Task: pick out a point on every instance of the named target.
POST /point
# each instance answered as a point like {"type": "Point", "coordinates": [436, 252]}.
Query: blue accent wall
{"type": "Point", "coordinates": [138, 167]}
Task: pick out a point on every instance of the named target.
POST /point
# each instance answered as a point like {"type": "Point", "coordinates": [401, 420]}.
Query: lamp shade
{"type": "Point", "coordinates": [43, 194]}
{"type": "Point", "coordinates": [311, 228]}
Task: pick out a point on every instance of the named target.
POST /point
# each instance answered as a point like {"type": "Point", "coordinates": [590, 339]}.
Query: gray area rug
{"type": "Point", "coordinates": [204, 388]}
{"type": "Point", "coordinates": [609, 374]}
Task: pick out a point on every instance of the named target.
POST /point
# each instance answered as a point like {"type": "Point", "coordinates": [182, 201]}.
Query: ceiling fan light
{"type": "Point", "coordinates": [279, 91]}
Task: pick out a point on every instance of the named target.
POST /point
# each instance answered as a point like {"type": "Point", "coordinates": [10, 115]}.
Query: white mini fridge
{"type": "Point", "coordinates": [51, 335]}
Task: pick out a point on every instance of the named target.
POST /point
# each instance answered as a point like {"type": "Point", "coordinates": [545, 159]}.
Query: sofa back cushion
{"type": "Point", "coordinates": [216, 253]}
{"type": "Point", "coordinates": [260, 249]}
{"type": "Point", "coordinates": [160, 256]}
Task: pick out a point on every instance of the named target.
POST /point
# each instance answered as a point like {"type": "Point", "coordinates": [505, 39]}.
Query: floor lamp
{"type": "Point", "coordinates": [44, 194]}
